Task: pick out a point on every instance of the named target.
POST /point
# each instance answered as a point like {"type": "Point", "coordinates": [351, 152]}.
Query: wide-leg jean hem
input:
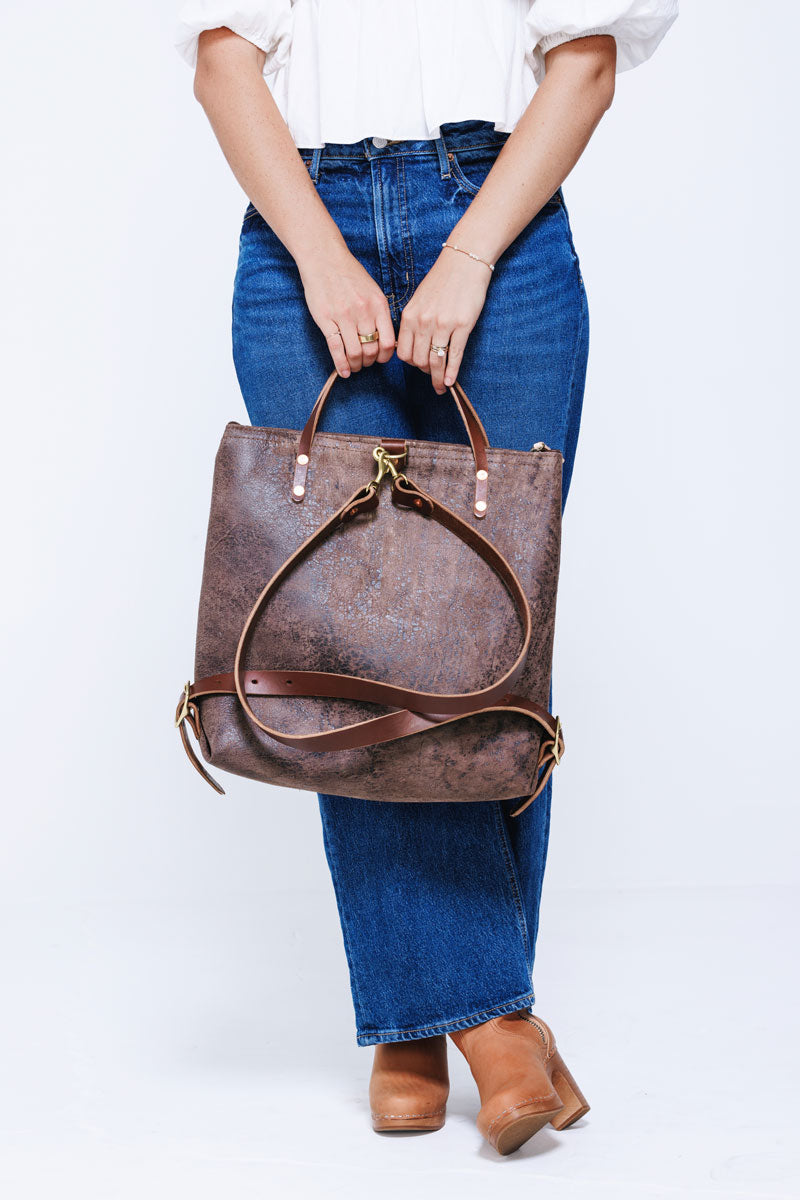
{"type": "Point", "coordinates": [373, 1037]}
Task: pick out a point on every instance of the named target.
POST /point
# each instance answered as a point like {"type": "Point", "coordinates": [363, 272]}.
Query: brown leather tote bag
{"type": "Point", "coordinates": [376, 614]}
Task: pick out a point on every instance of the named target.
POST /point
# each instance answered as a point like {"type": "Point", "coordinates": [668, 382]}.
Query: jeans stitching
{"type": "Point", "coordinates": [461, 177]}
{"type": "Point", "coordinates": [466, 1022]}
{"type": "Point", "coordinates": [408, 252]}
{"type": "Point", "coordinates": [343, 921]}
{"type": "Point", "coordinates": [513, 879]}
{"type": "Point", "coordinates": [571, 243]}
{"type": "Point", "coordinates": [381, 240]}
{"type": "Point", "coordinates": [441, 149]}
{"type": "Point", "coordinates": [581, 318]}
{"type": "Point", "coordinates": [554, 203]}
{"type": "Point", "coordinates": [409, 153]}
{"type": "Point", "coordinates": [546, 797]}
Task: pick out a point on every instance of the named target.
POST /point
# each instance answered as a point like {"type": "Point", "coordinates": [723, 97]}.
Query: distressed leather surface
{"type": "Point", "coordinates": [390, 596]}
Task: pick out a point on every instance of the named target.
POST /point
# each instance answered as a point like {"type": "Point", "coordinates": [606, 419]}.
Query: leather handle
{"type": "Point", "coordinates": [476, 433]}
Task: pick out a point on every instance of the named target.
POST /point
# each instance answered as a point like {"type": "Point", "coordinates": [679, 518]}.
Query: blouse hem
{"type": "Point", "coordinates": [276, 44]}
{"type": "Point", "coordinates": [501, 125]}
{"type": "Point", "coordinates": [559, 39]}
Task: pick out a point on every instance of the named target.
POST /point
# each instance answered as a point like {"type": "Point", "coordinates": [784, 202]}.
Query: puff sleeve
{"type": "Point", "coordinates": [636, 25]}
{"type": "Point", "coordinates": [265, 23]}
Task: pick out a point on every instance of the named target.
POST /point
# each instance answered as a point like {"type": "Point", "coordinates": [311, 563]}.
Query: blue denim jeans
{"type": "Point", "coordinates": [438, 903]}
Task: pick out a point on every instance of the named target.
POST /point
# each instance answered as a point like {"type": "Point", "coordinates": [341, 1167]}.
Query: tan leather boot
{"type": "Point", "coordinates": [409, 1085]}
{"type": "Point", "coordinates": [521, 1077]}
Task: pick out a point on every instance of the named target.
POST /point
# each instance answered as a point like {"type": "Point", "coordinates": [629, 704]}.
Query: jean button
{"type": "Point", "coordinates": [379, 143]}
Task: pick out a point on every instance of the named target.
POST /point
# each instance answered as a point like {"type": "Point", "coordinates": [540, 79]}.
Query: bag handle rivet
{"type": "Point", "coordinates": [476, 434]}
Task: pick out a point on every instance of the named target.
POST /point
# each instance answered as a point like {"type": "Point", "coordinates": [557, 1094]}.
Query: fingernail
{"type": "Point", "coordinates": [448, 379]}
{"type": "Point", "coordinates": [344, 374]}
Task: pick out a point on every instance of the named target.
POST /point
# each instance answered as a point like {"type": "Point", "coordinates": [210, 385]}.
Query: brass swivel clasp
{"type": "Point", "coordinates": [183, 711]}
{"type": "Point", "coordinates": [386, 465]}
{"type": "Point", "coordinates": [556, 740]}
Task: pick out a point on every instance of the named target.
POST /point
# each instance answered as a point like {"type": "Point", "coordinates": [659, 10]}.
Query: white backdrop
{"type": "Point", "coordinates": [676, 649]}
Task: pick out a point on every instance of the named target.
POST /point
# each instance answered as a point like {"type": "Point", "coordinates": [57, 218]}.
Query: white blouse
{"type": "Point", "coordinates": [342, 70]}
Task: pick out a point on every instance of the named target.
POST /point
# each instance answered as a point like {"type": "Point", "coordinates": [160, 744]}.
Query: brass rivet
{"type": "Point", "coordinates": [302, 458]}
{"type": "Point", "coordinates": [480, 505]}
{"type": "Point", "coordinates": [298, 489]}
{"type": "Point", "coordinates": [481, 474]}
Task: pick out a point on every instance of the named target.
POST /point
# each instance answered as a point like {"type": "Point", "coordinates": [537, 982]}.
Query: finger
{"type": "Point", "coordinates": [352, 346]}
{"type": "Point", "coordinates": [437, 362]}
{"type": "Point", "coordinates": [386, 345]}
{"type": "Point", "coordinates": [421, 354]}
{"type": "Point", "coordinates": [370, 349]}
{"type": "Point", "coordinates": [455, 353]}
{"type": "Point", "coordinates": [405, 339]}
{"type": "Point", "coordinates": [336, 347]}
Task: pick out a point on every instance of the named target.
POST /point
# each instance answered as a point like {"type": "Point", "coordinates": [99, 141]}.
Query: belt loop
{"type": "Point", "coordinates": [444, 161]}
{"type": "Point", "coordinates": [315, 161]}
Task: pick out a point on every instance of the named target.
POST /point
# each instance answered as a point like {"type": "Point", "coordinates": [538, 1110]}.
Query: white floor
{"type": "Point", "coordinates": [147, 1050]}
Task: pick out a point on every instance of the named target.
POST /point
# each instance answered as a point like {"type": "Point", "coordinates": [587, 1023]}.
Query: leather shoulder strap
{"type": "Point", "coordinates": [266, 683]}
{"type": "Point", "coordinates": [367, 733]}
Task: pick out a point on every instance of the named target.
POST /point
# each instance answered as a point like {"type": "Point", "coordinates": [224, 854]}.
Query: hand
{"type": "Point", "coordinates": [443, 311]}
{"type": "Point", "coordinates": [345, 300]}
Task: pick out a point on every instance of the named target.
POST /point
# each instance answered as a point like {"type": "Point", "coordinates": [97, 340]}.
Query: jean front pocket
{"type": "Point", "coordinates": [470, 167]}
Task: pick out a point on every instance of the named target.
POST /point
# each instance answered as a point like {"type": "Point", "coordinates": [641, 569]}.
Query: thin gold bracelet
{"type": "Point", "coordinates": [451, 245]}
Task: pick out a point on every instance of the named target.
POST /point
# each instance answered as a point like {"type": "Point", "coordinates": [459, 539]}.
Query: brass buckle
{"type": "Point", "coordinates": [183, 714]}
{"type": "Point", "coordinates": [556, 754]}
{"type": "Point", "coordinates": [386, 462]}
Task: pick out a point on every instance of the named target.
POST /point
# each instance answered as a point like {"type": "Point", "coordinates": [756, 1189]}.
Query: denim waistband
{"type": "Point", "coordinates": [453, 136]}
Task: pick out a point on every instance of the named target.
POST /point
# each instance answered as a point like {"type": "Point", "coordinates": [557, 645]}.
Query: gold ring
{"type": "Point", "coordinates": [439, 351]}
{"type": "Point", "coordinates": [368, 337]}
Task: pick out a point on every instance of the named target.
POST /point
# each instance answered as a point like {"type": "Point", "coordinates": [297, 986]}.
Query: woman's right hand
{"type": "Point", "coordinates": [341, 295]}
{"type": "Point", "coordinates": [345, 300]}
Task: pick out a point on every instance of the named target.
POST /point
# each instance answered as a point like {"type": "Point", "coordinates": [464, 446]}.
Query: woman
{"type": "Point", "coordinates": [387, 128]}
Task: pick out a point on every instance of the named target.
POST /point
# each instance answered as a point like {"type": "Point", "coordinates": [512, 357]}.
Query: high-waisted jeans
{"type": "Point", "coordinates": [439, 902]}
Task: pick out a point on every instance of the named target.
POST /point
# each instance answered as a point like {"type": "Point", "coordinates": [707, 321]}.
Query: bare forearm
{"type": "Point", "coordinates": [342, 297]}
{"type": "Point", "coordinates": [258, 145]}
{"type": "Point", "coordinates": [547, 141]}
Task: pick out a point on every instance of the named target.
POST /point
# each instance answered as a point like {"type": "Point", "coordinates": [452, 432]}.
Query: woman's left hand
{"type": "Point", "coordinates": [443, 311]}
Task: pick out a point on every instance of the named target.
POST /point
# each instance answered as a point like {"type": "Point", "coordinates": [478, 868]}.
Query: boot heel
{"type": "Point", "coordinates": [571, 1096]}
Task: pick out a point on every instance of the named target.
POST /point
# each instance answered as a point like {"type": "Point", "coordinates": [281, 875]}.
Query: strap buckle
{"type": "Point", "coordinates": [556, 736]}
{"type": "Point", "coordinates": [184, 709]}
